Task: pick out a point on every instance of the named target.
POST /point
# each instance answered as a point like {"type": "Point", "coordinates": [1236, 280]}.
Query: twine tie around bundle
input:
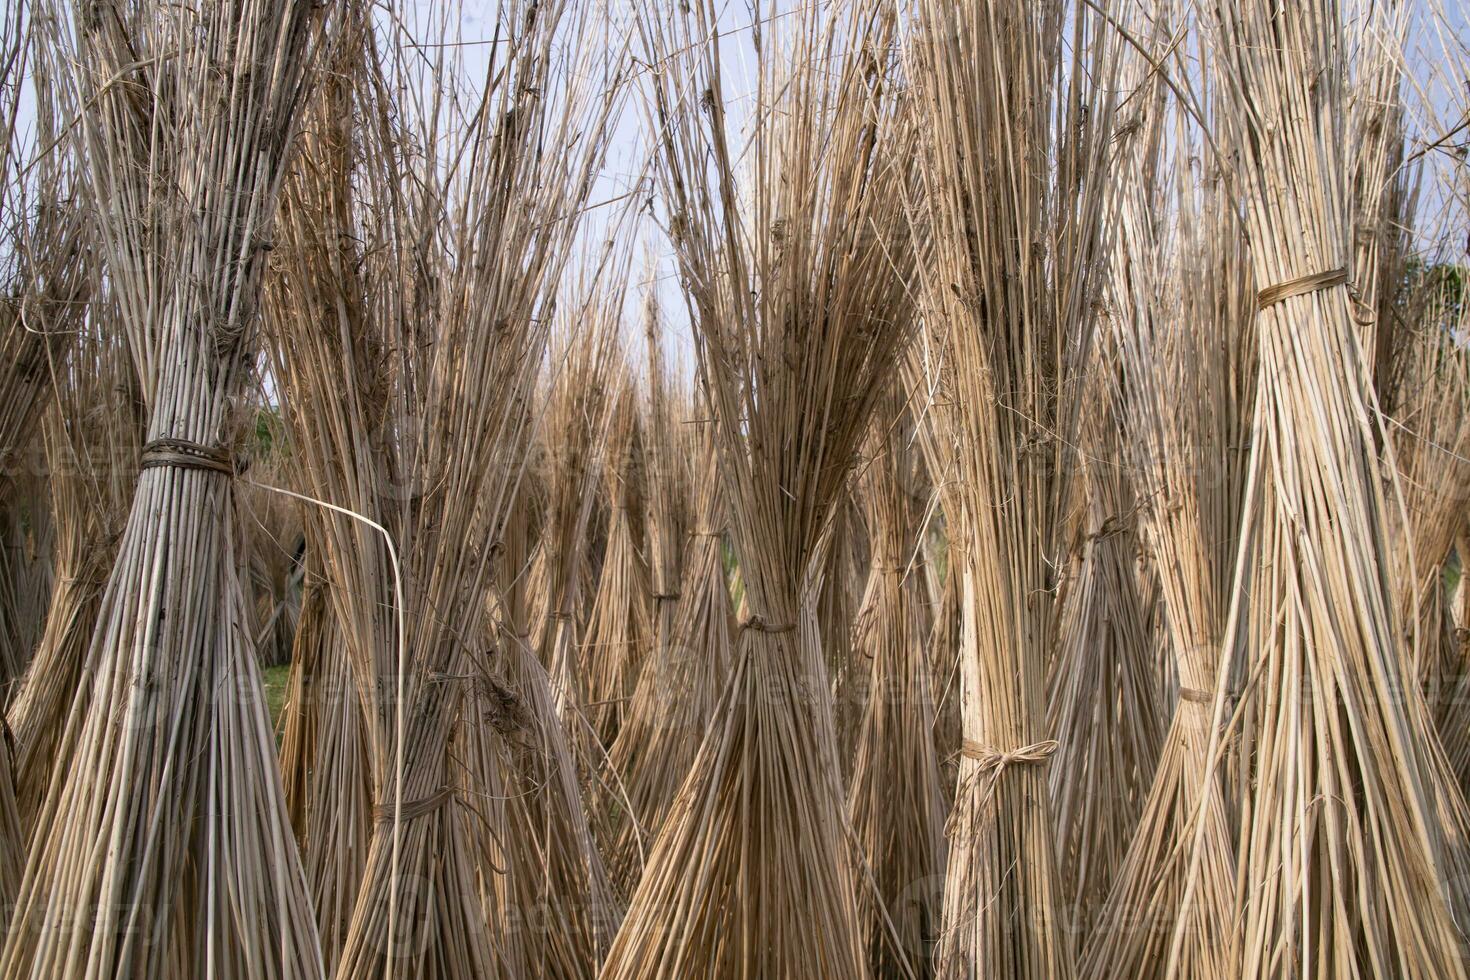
{"type": "Point", "coordinates": [993, 760]}
{"type": "Point", "coordinates": [1197, 695]}
{"type": "Point", "coordinates": [414, 809]}
{"type": "Point", "coordinates": [1300, 286]}
{"type": "Point", "coordinates": [758, 625]}
{"type": "Point", "coordinates": [183, 454]}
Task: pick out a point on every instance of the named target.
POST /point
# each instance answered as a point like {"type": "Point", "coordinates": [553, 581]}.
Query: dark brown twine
{"type": "Point", "coordinates": [1300, 286]}
{"type": "Point", "coordinates": [414, 809]}
{"type": "Point", "coordinates": [185, 455]}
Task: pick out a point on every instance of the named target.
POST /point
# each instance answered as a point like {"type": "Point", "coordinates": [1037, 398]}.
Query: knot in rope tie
{"type": "Point", "coordinates": [994, 760]}
{"type": "Point", "coordinates": [759, 625]}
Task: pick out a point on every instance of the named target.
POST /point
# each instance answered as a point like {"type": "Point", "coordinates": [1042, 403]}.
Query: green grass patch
{"type": "Point", "coordinates": [275, 680]}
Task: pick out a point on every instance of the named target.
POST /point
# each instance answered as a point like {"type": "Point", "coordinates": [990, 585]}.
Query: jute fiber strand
{"type": "Point", "coordinates": [1180, 312]}
{"type": "Point", "coordinates": [1009, 308]}
{"type": "Point", "coordinates": [799, 305]}
{"type": "Point", "coordinates": [895, 800]}
{"type": "Point", "coordinates": [166, 849]}
{"type": "Point", "coordinates": [1341, 856]}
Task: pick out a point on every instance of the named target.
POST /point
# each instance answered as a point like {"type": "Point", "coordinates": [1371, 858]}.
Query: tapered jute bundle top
{"type": "Point", "coordinates": [797, 295]}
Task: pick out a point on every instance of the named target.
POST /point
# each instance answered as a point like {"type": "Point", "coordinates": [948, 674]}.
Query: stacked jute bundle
{"type": "Point", "coordinates": [843, 582]}
{"type": "Point", "coordinates": [558, 902]}
{"type": "Point", "coordinates": [1381, 216]}
{"type": "Point", "coordinates": [62, 502]}
{"type": "Point", "coordinates": [671, 448]}
{"type": "Point", "coordinates": [91, 435]}
{"type": "Point", "coordinates": [325, 765]}
{"type": "Point", "coordinates": [1180, 311]}
{"type": "Point", "coordinates": [414, 321]}
{"type": "Point", "coordinates": [798, 295]}
{"type": "Point", "coordinates": [47, 272]}
{"type": "Point", "coordinates": [1427, 403]}
{"type": "Point", "coordinates": [1105, 699]}
{"type": "Point", "coordinates": [587, 387]}
{"type": "Point", "coordinates": [321, 324]}
{"type": "Point", "coordinates": [1009, 307]}
{"type": "Point", "coordinates": [24, 375]}
{"type": "Point", "coordinates": [1343, 860]}
{"type": "Point", "coordinates": [1421, 326]}
{"type": "Point", "coordinates": [272, 527]}
{"type": "Point", "coordinates": [921, 372]}
{"type": "Point", "coordinates": [93, 438]}
{"type": "Point", "coordinates": [895, 799]}
{"type": "Point", "coordinates": [563, 881]}
{"type": "Point", "coordinates": [166, 817]}
{"type": "Point", "coordinates": [620, 623]}
{"type": "Point", "coordinates": [47, 291]}
{"type": "Point", "coordinates": [679, 690]}
{"type": "Point", "coordinates": [26, 545]}
{"type": "Point", "coordinates": [944, 667]}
